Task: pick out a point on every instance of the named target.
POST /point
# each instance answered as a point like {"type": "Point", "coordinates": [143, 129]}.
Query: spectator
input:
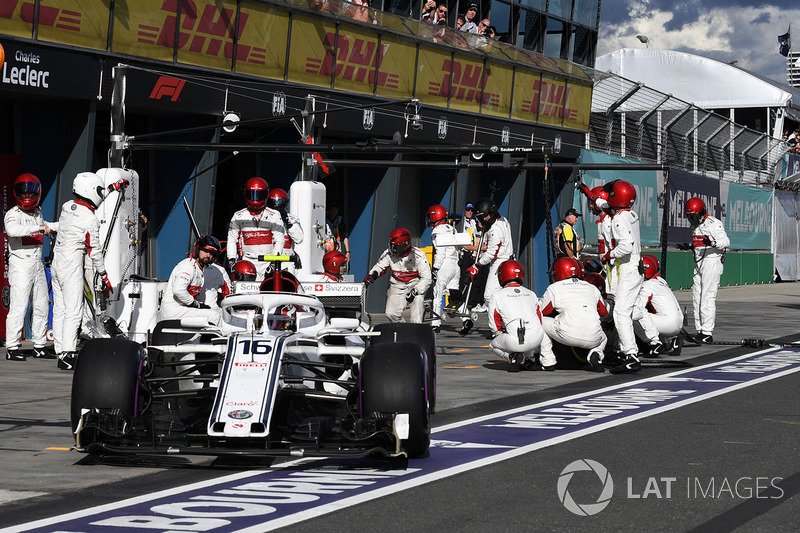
{"type": "Point", "coordinates": [568, 242]}
{"type": "Point", "coordinates": [439, 16]}
{"type": "Point", "coordinates": [428, 9]}
{"type": "Point", "coordinates": [470, 26]}
{"type": "Point", "coordinates": [460, 20]}
{"type": "Point", "coordinates": [483, 25]}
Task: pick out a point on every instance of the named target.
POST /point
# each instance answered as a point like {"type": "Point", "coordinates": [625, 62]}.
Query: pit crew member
{"type": "Point", "coordinates": [186, 283]}
{"type": "Point", "coordinates": [445, 272]}
{"type": "Point", "coordinates": [410, 276]}
{"type": "Point", "coordinates": [293, 231]}
{"type": "Point", "coordinates": [657, 317]}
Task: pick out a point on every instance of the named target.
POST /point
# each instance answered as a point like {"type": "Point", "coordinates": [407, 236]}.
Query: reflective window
{"type": "Point", "coordinates": [560, 8]}
{"type": "Point", "coordinates": [586, 12]}
{"type": "Point", "coordinates": [582, 46]}
{"type": "Point", "coordinates": [554, 43]}
{"type": "Point", "coordinates": [530, 31]}
{"type": "Point", "coordinates": [535, 4]}
{"type": "Point", "coordinates": [499, 16]}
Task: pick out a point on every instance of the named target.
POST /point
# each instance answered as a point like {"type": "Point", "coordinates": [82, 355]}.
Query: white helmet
{"type": "Point", "coordinates": [90, 187]}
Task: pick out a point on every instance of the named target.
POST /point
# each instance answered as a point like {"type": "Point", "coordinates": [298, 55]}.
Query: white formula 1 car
{"type": "Point", "coordinates": [288, 373]}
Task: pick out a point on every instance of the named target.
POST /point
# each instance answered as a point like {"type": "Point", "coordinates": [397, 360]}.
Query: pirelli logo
{"type": "Point", "coordinates": [357, 60]}
{"type": "Point", "coordinates": [62, 19]}
{"type": "Point", "coordinates": [210, 32]}
{"type": "Point", "coordinates": [167, 87]}
{"type": "Point", "coordinates": [466, 83]}
{"type": "Point", "coordinates": [550, 101]}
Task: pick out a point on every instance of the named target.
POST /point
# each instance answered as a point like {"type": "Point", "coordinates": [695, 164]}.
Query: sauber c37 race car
{"type": "Point", "coordinates": [286, 374]}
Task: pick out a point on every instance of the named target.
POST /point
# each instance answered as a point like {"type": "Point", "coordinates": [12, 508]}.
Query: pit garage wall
{"type": "Point", "coordinates": [745, 211]}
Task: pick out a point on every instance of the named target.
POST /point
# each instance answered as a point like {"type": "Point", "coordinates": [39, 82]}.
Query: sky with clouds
{"type": "Point", "coordinates": [725, 30]}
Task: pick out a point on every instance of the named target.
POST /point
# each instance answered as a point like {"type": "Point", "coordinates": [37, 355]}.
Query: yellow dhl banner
{"type": "Point", "coordinates": [262, 42]}
{"type": "Point", "coordinates": [396, 68]}
{"type": "Point", "coordinates": [498, 89]}
{"type": "Point", "coordinates": [81, 23]}
{"type": "Point", "coordinates": [308, 52]}
{"type": "Point", "coordinates": [549, 100]}
{"type": "Point", "coordinates": [143, 28]}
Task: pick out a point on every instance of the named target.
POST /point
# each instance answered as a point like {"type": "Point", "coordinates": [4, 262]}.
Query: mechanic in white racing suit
{"type": "Point", "coordinates": [410, 277]}
{"type": "Point", "coordinates": [334, 265]}
{"type": "Point", "coordinates": [604, 238]}
{"type": "Point", "coordinates": [293, 232]}
{"type": "Point", "coordinates": [26, 230]}
{"type": "Point", "coordinates": [255, 230]}
{"type": "Point", "coordinates": [709, 244]}
{"type": "Point", "coordinates": [180, 299]}
{"type": "Point", "coordinates": [515, 320]}
{"type": "Point", "coordinates": [445, 272]}
{"type": "Point", "coordinates": [571, 310]}
{"type": "Point", "coordinates": [626, 261]}
{"type": "Point", "coordinates": [78, 236]}
{"type": "Point", "coordinates": [499, 247]}
{"type": "Point", "coordinates": [657, 317]}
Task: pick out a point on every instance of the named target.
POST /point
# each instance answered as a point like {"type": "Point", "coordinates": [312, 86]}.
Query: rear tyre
{"type": "Point", "coordinates": [393, 380]}
{"type": "Point", "coordinates": [106, 377]}
{"type": "Point", "coordinates": [421, 334]}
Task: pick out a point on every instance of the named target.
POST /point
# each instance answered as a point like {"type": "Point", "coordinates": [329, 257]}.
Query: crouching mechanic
{"type": "Point", "coordinates": [515, 320]}
{"type": "Point", "coordinates": [334, 265]}
{"type": "Point", "coordinates": [446, 271]}
{"type": "Point", "coordinates": [411, 277]}
{"type": "Point", "coordinates": [709, 243]}
{"type": "Point", "coordinates": [186, 282]}
{"type": "Point", "coordinates": [26, 230]}
{"type": "Point", "coordinates": [78, 236]}
{"type": "Point", "coordinates": [657, 316]}
{"type": "Point", "coordinates": [571, 309]}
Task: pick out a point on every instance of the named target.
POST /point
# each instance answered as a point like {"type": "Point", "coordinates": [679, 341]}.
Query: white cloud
{"type": "Point", "coordinates": [725, 34]}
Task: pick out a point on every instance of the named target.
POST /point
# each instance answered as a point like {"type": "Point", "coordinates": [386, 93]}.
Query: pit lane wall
{"type": "Point", "coordinates": [329, 44]}
{"type": "Point", "coordinates": [746, 212]}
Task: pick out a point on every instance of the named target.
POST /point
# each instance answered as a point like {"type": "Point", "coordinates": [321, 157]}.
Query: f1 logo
{"type": "Point", "coordinates": [167, 86]}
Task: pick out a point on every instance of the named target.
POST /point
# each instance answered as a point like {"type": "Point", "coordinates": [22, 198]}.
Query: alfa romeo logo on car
{"type": "Point", "coordinates": [585, 509]}
{"type": "Point", "coordinates": [240, 414]}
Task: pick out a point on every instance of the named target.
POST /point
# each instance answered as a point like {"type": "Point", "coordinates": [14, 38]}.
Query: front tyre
{"type": "Point", "coordinates": [393, 380]}
{"type": "Point", "coordinates": [421, 334]}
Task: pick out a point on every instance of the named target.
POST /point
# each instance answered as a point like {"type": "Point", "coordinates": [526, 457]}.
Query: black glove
{"type": "Point", "coordinates": [410, 295]}
{"type": "Point", "coordinates": [707, 241]}
{"type": "Point", "coordinates": [285, 218]}
{"type": "Point", "coordinates": [683, 246]}
{"type": "Point", "coordinates": [231, 264]}
{"type": "Point", "coordinates": [296, 260]}
{"type": "Point", "coordinates": [434, 273]}
{"type": "Point", "coordinates": [368, 280]}
{"type": "Point", "coordinates": [198, 305]}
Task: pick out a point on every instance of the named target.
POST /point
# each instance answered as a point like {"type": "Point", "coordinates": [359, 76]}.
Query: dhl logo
{"type": "Point", "coordinates": [210, 32]}
{"type": "Point", "coordinates": [548, 100]}
{"type": "Point", "coordinates": [355, 61]}
{"type": "Point", "coordinates": [467, 83]}
{"type": "Point", "coordinates": [63, 19]}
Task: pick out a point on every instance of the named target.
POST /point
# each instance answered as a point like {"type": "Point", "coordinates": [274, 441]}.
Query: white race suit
{"type": "Point", "coordinates": [184, 285]}
{"type": "Point", "coordinates": [26, 277]}
{"type": "Point", "coordinates": [78, 236]}
{"type": "Point", "coordinates": [254, 234]}
{"type": "Point", "coordinates": [708, 264]}
{"type": "Point", "coordinates": [626, 258]}
{"type": "Point", "coordinates": [579, 306]}
{"type": "Point", "coordinates": [445, 263]}
{"type": "Point", "coordinates": [657, 315]}
{"type": "Point", "coordinates": [511, 308]}
{"type": "Point", "coordinates": [412, 272]}
{"type": "Point", "coordinates": [499, 248]}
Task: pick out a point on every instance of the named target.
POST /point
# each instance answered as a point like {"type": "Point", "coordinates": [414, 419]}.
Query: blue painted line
{"type": "Point", "coordinates": [262, 500]}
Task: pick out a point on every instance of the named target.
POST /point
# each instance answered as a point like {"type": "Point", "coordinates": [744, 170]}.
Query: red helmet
{"type": "Point", "coordinates": [244, 271]}
{"type": "Point", "coordinates": [256, 191]}
{"type": "Point", "coordinates": [597, 280]}
{"type": "Point", "coordinates": [695, 210]}
{"type": "Point", "coordinates": [597, 193]}
{"type": "Point", "coordinates": [207, 243]}
{"type": "Point", "coordinates": [400, 242]}
{"type": "Point", "coordinates": [621, 194]}
{"type": "Point", "coordinates": [24, 186]}
{"type": "Point", "coordinates": [435, 214]}
{"type": "Point", "coordinates": [567, 267]}
{"type": "Point", "coordinates": [333, 261]}
{"type": "Point", "coordinates": [651, 266]}
{"type": "Point", "coordinates": [278, 199]}
{"type": "Point", "coordinates": [510, 271]}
